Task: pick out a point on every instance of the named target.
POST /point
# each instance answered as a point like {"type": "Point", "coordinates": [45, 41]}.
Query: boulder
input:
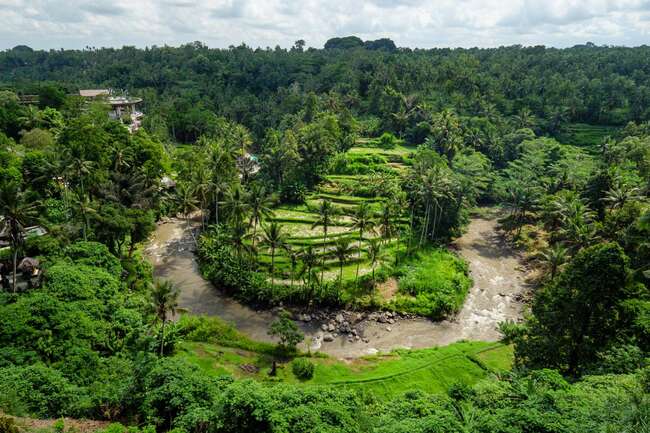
{"type": "Point", "coordinates": [328, 337]}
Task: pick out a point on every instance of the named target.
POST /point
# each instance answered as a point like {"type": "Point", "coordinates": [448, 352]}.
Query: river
{"type": "Point", "coordinates": [496, 269]}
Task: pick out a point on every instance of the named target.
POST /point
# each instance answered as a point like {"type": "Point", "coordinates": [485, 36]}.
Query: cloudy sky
{"type": "Point", "coordinates": [413, 23]}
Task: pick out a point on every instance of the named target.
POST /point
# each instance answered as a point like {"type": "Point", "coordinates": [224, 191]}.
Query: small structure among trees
{"type": "Point", "coordinates": [123, 108]}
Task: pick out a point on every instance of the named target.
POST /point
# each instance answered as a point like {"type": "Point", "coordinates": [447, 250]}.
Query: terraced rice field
{"type": "Point", "coordinates": [339, 189]}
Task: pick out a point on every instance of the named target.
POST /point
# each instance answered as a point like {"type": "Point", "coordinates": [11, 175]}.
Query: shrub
{"type": "Point", "coordinates": [78, 282]}
{"type": "Point", "coordinates": [302, 368]}
{"type": "Point", "coordinates": [172, 387]}
{"type": "Point", "coordinates": [94, 254]}
{"type": "Point", "coordinates": [40, 390]}
{"type": "Point", "coordinates": [387, 141]}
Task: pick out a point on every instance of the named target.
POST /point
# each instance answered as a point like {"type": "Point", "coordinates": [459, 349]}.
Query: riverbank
{"type": "Point", "coordinates": [496, 295]}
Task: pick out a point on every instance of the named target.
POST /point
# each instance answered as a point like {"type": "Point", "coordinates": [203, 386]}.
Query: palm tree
{"type": "Point", "coordinates": [435, 186]}
{"type": "Point", "coordinates": [236, 205]}
{"type": "Point", "coordinates": [325, 213]}
{"type": "Point", "coordinates": [524, 119]}
{"type": "Point", "coordinates": [553, 258]}
{"type": "Point", "coordinates": [17, 211]}
{"type": "Point", "coordinates": [374, 255]}
{"type": "Point", "coordinates": [218, 186]}
{"type": "Point", "coordinates": [201, 185]}
{"type": "Point", "coordinates": [239, 236]}
{"type": "Point", "coordinates": [362, 221]}
{"type": "Point", "coordinates": [274, 238]}
{"type": "Point", "coordinates": [77, 168]}
{"type": "Point", "coordinates": [260, 206]}
{"type": "Point", "coordinates": [293, 259]}
{"type": "Point", "coordinates": [186, 203]}
{"type": "Point", "coordinates": [85, 208]}
{"type": "Point", "coordinates": [386, 223]}
{"type": "Point", "coordinates": [164, 301]}
{"type": "Point", "coordinates": [621, 194]}
{"type": "Point", "coordinates": [309, 260]}
{"type": "Point", "coordinates": [342, 251]}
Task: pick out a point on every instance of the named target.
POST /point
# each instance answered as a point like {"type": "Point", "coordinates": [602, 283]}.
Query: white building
{"type": "Point", "coordinates": [123, 108]}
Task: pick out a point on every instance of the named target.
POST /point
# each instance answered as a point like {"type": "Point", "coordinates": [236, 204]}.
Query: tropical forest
{"type": "Point", "coordinates": [353, 238]}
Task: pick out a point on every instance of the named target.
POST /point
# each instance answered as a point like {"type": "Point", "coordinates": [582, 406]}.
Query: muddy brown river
{"type": "Point", "coordinates": [496, 269]}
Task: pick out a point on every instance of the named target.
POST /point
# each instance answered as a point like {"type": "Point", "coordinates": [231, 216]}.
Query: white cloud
{"type": "Point", "coordinates": [421, 23]}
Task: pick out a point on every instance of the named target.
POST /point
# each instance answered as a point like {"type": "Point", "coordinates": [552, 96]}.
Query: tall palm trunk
{"type": "Point", "coordinates": [15, 258]}
{"type": "Point", "coordinates": [216, 213]}
{"type": "Point", "coordinates": [322, 264]}
{"type": "Point", "coordinates": [273, 266]}
{"type": "Point", "coordinates": [162, 337]}
{"type": "Point", "coordinates": [356, 278]}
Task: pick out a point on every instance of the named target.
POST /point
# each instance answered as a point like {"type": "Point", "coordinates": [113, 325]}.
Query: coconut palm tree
{"type": "Point", "coordinates": [259, 202]}
{"type": "Point", "coordinates": [218, 186]}
{"type": "Point", "coordinates": [374, 255]}
{"type": "Point", "coordinates": [524, 119]}
{"type": "Point", "coordinates": [164, 301]}
{"type": "Point", "coordinates": [342, 251]}
{"type": "Point", "coordinates": [435, 187]}
{"type": "Point", "coordinates": [238, 238]}
{"type": "Point", "coordinates": [85, 208]}
{"type": "Point", "coordinates": [325, 219]}
{"type": "Point", "coordinates": [17, 211]}
{"type": "Point", "coordinates": [186, 203]}
{"type": "Point", "coordinates": [201, 185]}
{"type": "Point", "coordinates": [553, 258]}
{"type": "Point", "coordinates": [309, 259]}
{"type": "Point", "coordinates": [293, 259]}
{"type": "Point", "coordinates": [621, 194]}
{"type": "Point", "coordinates": [236, 205]}
{"type": "Point", "coordinates": [386, 223]}
{"type": "Point", "coordinates": [362, 221]}
{"type": "Point", "coordinates": [274, 238]}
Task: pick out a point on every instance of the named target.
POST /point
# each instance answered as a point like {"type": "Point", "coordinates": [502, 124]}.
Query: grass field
{"type": "Point", "coordinates": [431, 370]}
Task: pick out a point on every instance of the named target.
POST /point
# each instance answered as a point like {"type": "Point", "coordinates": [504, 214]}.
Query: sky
{"type": "Point", "coordinates": [46, 24]}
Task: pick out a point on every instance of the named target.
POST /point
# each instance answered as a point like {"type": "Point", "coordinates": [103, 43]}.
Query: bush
{"type": "Point", "coordinates": [386, 141]}
{"type": "Point", "coordinates": [172, 387]}
{"type": "Point", "coordinates": [302, 368]}
{"type": "Point", "coordinates": [40, 390]}
{"type": "Point", "coordinates": [94, 254]}
{"type": "Point", "coordinates": [79, 282]}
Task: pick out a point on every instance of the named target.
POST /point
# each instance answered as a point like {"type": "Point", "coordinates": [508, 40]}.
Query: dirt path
{"type": "Point", "coordinates": [494, 266]}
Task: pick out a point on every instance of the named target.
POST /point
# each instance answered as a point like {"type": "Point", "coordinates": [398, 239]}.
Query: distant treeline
{"type": "Point", "coordinates": [260, 87]}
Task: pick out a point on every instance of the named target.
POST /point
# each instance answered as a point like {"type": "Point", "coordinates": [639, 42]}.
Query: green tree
{"type": "Point", "coordinates": [259, 203]}
{"type": "Point", "coordinates": [18, 210]}
{"type": "Point", "coordinates": [164, 301]}
{"type": "Point", "coordinates": [363, 221]}
{"type": "Point", "coordinates": [553, 258]}
{"type": "Point", "coordinates": [287, 331]}
{"type": "Point", "coordinates": [342, 251]}
{"type": "Point", "coordinates": [325, 219]}
{"type": "Point", "coordinates": [275, 239]}
{"type": "Point", "coordinates": [579, 313]}
{"type": "Point", "coordinates": [186, 203]}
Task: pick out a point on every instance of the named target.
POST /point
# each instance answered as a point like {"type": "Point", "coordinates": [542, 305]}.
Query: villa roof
{"type": "Point", "coordinates": [92, 93]}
